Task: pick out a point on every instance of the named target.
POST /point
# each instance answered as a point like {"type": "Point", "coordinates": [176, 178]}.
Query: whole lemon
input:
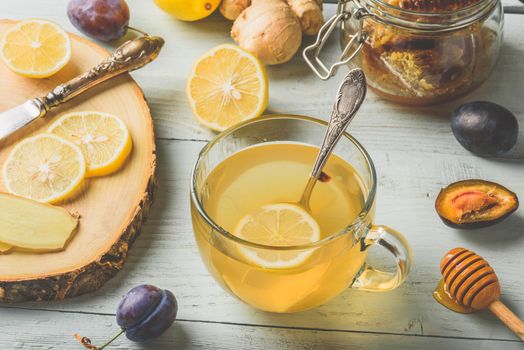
{"type": "Point", "coordinates": [188, 10]}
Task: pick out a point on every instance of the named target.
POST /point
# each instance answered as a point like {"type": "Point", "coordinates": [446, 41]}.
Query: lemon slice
{"type": "Point", "coordinates": [227, 85]}
{"type": "Point", "coordinates": [103, 138]}
{"type": "Point", "coordinates": [35, 48]}
{"type": "Point", "coordinates": [45, 168]}
{"type": "Point", "coordinates": [278, 225]}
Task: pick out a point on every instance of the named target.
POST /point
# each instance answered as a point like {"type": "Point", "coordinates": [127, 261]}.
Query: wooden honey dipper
{"type": "Point", "coordinates": [472, 283]}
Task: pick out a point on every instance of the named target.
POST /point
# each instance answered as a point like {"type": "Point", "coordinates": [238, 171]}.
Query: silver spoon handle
{"type": "Point", "coordinates": [350, 96]}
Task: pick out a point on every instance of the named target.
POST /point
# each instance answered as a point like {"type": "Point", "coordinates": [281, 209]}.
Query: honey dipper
{"type": "Point", "coordinates": [472, 283]}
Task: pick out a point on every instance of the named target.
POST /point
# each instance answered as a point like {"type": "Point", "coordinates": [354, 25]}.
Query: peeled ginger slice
{"type": "Point", "coordinates": [5, 248]}
{"type": "Point", "coordinates": [32, 225]}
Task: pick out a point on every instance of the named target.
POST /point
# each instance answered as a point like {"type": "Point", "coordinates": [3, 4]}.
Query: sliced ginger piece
{"type": "Point", "coordinates": [34, 226]}
{"type": "Point", "coordinates": [5, 248]}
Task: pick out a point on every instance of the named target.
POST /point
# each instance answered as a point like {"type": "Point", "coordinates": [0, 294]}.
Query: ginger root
{"type": "Point", "coordinates": [5, 248]}
{"type": "Point", "coordinates": [231, 9]}
{"type": "Point", "coordinates": [269, 30]}
{"type": "Point", "coordinates": [272, 29]}
{"type": "Point", "coordinates": [309, 12]}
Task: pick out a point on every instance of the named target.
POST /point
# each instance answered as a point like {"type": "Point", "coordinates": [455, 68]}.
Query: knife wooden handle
{"type": "Point", "coordinates": [132, 55]}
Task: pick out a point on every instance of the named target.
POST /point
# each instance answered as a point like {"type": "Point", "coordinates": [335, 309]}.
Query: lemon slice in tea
{"type": "Point", "coordinates": [45, 168]}
{"type": "Point", "coordinates": [35, 48]}
{"type": "Point", "coordinates": [103, 138]}
{"type": "Point", "coordinates": [278, 225]}
{"type": "Point", "coordinates": [227, 85]}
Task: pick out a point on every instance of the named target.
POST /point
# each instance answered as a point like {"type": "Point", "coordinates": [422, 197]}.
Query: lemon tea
{"type": "Point", "coordinates": [275, 173]}
{"type": "Point", "coordinates": [264, 248]}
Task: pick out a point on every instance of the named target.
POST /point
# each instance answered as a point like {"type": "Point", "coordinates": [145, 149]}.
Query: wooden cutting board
{"type": "Point", "coordinates": [111, 208]}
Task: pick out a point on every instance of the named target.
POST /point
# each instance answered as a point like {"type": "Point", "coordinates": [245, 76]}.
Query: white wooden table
{"type": "Point", "coordinates": [415, 155]}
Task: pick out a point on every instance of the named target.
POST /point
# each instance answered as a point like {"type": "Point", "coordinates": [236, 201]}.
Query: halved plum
{"type": "Point", "coordinates": [475, 203]}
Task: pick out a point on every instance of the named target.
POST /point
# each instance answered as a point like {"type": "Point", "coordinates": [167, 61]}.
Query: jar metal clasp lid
{"type": "Point", "coordinates": [312, 52]}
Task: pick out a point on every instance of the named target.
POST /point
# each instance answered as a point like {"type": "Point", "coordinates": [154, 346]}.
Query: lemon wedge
{"type": "Point", "coordinates": [226, 86]}
{"type": "Point", "coordinates": [103, 138]}
{"type": "Point", "coordinates": [278, 225]}
{"type": "Point", "coordinates": [45, 168]}
{"type": "Point", "coordinates": [35, 48]}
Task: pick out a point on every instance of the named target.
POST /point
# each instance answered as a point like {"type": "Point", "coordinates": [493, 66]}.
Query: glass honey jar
{"type": "Point", "coordinates": [415, 52]}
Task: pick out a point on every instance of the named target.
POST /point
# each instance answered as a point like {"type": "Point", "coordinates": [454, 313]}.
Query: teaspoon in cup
{"type": "Point", "coordinates": [350, 96]}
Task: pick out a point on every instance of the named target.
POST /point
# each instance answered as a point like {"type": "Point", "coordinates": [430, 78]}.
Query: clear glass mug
{"type": "Point", "coordinates": [338, 261]}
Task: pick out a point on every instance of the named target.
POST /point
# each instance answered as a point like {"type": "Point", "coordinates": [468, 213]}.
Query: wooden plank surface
{"type": "Point", "coordinates": [52, 330]}
{"type": "Point", "coordinates": [415, 155]}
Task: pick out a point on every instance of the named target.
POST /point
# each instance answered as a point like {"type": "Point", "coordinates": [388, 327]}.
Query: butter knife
{"type": "Point", "coordinates": [132, 55]}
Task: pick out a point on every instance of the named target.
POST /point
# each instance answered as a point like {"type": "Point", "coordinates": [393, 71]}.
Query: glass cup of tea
{"type": "Point", "coordinates": [265, 249]}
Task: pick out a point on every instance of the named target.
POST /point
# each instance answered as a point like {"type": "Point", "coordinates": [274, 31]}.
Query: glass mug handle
{"type": "Point", "coordinates": [371, 279]}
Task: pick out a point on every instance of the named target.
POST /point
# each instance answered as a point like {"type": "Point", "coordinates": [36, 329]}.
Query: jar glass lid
{"type": "Point", "coordinates": [435, 16]}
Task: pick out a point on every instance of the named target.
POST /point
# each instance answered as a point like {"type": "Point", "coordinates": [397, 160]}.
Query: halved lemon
{"type": "Point", "coordinates": [103, 138]}
{"type": "Point", "coordinates": [278, 225]}
{"type": "Point", "coordinates": [226, 86]}
{"type": "Point", "coordinates": [45, 168]}
{"type": "Point", "coordinates": [35, 48]}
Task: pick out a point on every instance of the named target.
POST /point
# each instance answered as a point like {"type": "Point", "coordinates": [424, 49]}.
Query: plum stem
{"type": "Point", "coordinates": [137, 30]}
{"type": "Point", "coordinates": [112, 339]}
{"type": "Point", "coordinates": [86, 342]}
